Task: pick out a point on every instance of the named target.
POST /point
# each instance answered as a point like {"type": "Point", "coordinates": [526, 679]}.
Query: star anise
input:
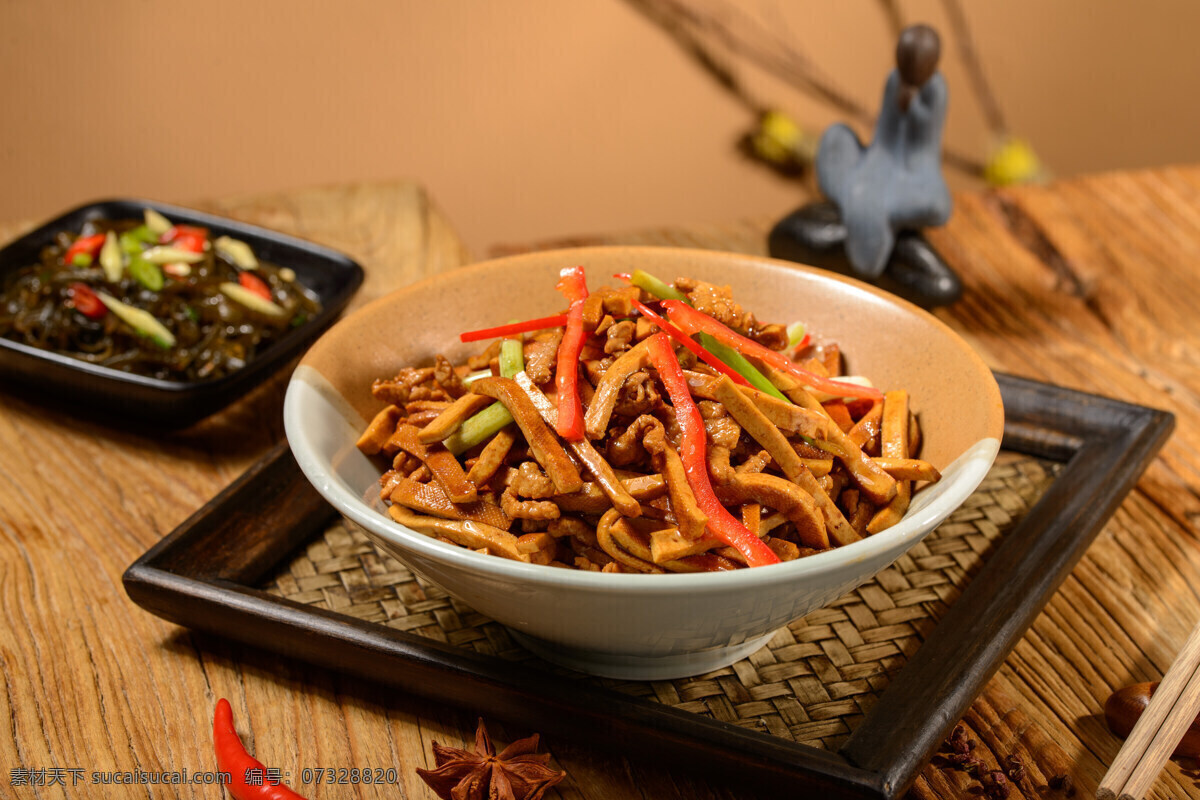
{"type": "Point", "coordinates": [517, 773]}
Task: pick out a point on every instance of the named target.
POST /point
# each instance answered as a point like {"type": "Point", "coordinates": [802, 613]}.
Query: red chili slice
{"type": "Point", "coordinates": [86, 301]}
{"type": "Point", "coordinates": [85, 245]}
{"type": "Point", "coordinates": [255, 284]}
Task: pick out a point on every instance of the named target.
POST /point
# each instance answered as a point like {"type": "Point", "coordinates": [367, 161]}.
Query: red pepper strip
{"type": "Point", "coordinates": [690, 343]}
{"type": "Point", "coordinates": [692, 447]}
{"type": "Point", "coordinates": [693, 321]}
{"type": "Point", "coordinates": [624, 276]}
{"type": "Point", "coordinates": [233, 759]}
{"type": "Point", "coordinates": [86, 301]}
{"type": "Point", "coordinates": [557, 321]}
{"type": "Point", "coordinates": [84, 245]}
{"type": "Point", "coordinates": [255, 284]}
{"type": "Point", "coordinates": [573, 284]}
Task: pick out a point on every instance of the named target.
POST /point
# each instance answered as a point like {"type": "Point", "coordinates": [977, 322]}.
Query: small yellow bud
{"type": "Point", "coordinates": [780, 140]}
{"type": "Point", "coordinates": [1013, 162]}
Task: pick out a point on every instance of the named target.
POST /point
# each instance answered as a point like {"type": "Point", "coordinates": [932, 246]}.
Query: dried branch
{"type": "Point", "coordinates": [716, 35]}
{"type": "Point", "coordinates": [974, 68]}
{"type": "Point", "coordinates": [738, 34]}
{"type": "Point", "coordinates": [895, 19]}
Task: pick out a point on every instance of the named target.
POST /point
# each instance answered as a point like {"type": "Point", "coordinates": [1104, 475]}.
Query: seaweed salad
{"type": "Point", "coordinates": [154, 298]}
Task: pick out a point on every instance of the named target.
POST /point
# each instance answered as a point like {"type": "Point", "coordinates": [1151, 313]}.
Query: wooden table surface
{"type": "Point", "coordinates": [1090, 283]}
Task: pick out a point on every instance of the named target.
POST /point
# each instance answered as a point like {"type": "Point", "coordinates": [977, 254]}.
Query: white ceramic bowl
{"type": "Point", "coordinates": [641, 626]}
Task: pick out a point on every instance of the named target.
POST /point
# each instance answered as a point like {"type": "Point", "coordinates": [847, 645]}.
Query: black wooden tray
{"type": "Point", "coordinates": [203, 575]}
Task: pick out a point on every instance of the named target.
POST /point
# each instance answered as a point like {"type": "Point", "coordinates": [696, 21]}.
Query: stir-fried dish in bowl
{"type": "Point", "coordinates": [606, 438]}
{"type": "Point", "coordinates": [624, 581]}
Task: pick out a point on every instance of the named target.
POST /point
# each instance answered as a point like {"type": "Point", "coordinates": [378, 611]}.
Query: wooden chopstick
{"type": "Point", "coordinates": [1170, 712]}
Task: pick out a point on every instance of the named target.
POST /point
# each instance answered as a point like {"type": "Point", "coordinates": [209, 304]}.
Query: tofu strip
{"type": "Point", "coordinates": [782, 495]}
{"type": "Point", "coordinates": [789, 417]}
{"type": "Point", "coordinates": [541, 440]}
{"type": "Point", "coordinates": [441, 462]}
{"type": "Point", "coordinates": [600, 409]}
{"type": "Point", "coordinates": [453, 417]}
{"type": "Point", "coordinates": [466, 533]}
{"type": "Point", "coordinates": [909, 469]}
{"type": "Point", "coordinates": [491, 458]}
{"type": "Point", "coordinates": [595, 463]}
{"type": "Point", "coordinates": [431, 499]}
{"type": "Point", "coordinates": [754, 422]}
{"type": "Point", "coordinates": [769, 436]}
{"type": "Point", "coordinates": [380, 430]}
{"type": "Point", "coordinates": [690, 519]}
{"type": "Point", "coordinates": [878, 485]}
{"type": "Point", "coordinates": [893, 444]}
{"type": "Point", "coordinates": [591, 499]}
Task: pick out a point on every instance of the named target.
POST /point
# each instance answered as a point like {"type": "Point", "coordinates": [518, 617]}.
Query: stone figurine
{"type": "Point", "coordinates": [881, 195]}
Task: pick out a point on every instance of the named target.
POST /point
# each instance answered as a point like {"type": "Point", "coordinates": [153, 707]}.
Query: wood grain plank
{"type": "Point", "coordinates": [90, 680]}
{"type": "Point", "coordinates": [1142, 578]}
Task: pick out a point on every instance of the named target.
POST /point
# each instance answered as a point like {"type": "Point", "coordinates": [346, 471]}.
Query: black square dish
{"type": "Point", "coordinates": [139, 401]}
{"type": "Point", "coordinates": [221, 570]}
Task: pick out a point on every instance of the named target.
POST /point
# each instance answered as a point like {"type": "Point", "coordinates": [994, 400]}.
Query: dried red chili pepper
{"type": "Point", "coordinates": [573, 284]}
{"type": "Point", "coordinates": [692, 446]}
{"type": "Point", "coordinates": [233, 759]}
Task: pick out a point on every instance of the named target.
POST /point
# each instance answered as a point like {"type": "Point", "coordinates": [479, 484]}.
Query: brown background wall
{"type": "Point", "coordinates": [530, 118]}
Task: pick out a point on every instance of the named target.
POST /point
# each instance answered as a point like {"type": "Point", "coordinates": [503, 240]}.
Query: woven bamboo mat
{"type": "Point", "coordinates": [814, 680]}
